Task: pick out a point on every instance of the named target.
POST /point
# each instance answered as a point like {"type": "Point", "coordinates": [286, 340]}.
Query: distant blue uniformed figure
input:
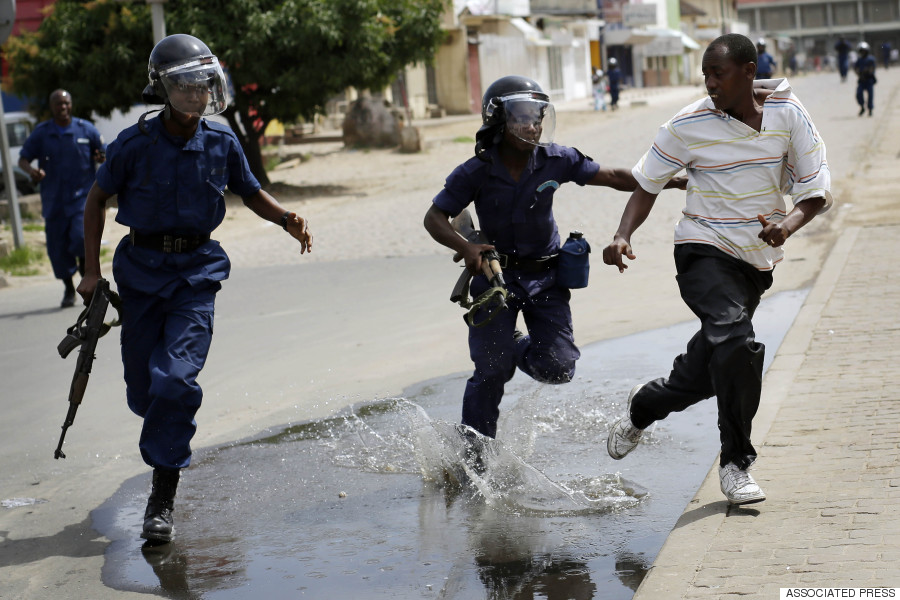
{"type": "Point", "coordinates": [765, 65]}
{"type": "Point", "coordinates": [169, 174]}
{"type": "Point", "coordinates": [614, 77]}
{"type": "Point", "coordinates": [865, 83]}
{"type": "Point", "coordinates": [512, 181]}
{"type": "Point", "coordinates": [66, 149]}
{"type": "Point", "coordinates": [842, 47]}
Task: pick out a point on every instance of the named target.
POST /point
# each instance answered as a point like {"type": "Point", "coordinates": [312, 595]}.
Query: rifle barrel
{"type": "Point", "coordinates": [70, 418]}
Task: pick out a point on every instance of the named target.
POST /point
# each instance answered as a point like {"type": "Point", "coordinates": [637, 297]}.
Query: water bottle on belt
{"type": "Point", "coordinates": [574, 266]}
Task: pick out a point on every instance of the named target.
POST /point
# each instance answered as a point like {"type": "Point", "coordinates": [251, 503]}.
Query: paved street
{"type": "Point", "coordinates": [298, 340]}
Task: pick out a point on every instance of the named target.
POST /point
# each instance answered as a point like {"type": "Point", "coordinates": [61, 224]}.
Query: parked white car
{"type": "Point", "coordinates": [18, 128]}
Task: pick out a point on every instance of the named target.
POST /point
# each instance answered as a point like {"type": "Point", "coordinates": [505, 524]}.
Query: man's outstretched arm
{"type": "Point", "coordinates": [636, 211]}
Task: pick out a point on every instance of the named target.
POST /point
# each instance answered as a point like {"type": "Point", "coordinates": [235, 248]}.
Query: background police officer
{"type": "Point", "coordinates": [66, 149]}
{"type": "Point", "coordinates": [865, 84]}
{"type": "Point", "coordinates": [170, 173]}
{"type": "Point", "coordinates": [765, 62]}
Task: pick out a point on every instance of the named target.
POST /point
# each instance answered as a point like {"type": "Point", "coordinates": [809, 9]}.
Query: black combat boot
{"type": "Point", "coordinates": [159, 525]}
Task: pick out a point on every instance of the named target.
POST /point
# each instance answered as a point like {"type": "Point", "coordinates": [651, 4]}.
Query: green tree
{"type": "Point", "coordinates": [285, 58]}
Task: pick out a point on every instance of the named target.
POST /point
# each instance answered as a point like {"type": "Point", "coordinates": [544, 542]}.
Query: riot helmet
{"type": "Point", "coordinates": [519, 105]}
{"type": "Point", "coordinates": [863, 48]}
{"type": "Point", "coordinates": [185, 74]}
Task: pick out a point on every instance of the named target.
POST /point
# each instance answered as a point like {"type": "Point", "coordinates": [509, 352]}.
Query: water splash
{"type": "Point", "coordinates": [400, 437]}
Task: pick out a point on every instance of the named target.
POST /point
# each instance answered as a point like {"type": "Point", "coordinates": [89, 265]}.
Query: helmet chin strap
{"type": "Point", "coordinates": [485, 139]}
{"type": "Point", "coordinates": [498, 137]}
{"type": "Point", "coordinates": [142, 125]}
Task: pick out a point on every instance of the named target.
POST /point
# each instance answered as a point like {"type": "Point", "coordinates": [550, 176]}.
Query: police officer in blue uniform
{"type": "Point", "coordinates": [170, 173]}
{"type": "Point", "coordinates": [765, 65]}
{"type": "Point", "coordinates": [864, 67]}
{"type": "Point", "coordinates": [512, 180]}
{"type": "Point", "coordinates": [66, 149]}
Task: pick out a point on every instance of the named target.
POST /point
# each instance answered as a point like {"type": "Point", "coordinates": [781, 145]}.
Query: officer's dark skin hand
{"type": "Point", "coordinates": [298, 227]}
{"type": "Point", "coordinates": [473, 257]}
{"type": "Point", "coordinates": [679, 182]}
{"type": "Point", "coordinates": [437, 223]}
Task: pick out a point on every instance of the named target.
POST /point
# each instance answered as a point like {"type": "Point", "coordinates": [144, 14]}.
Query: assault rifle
{"type": "Point", "coordinates": [85, 332]}
{"type": "Point", "coordinates": [494, 298]}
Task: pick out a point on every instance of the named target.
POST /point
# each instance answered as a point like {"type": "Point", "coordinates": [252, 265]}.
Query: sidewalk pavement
{"type": "Point", "coordinates": [827, 433]}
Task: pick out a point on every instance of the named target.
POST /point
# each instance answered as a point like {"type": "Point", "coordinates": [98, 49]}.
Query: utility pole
{"type": "Point", "coordinates": [157, 13]}
{"type": "Point", "coordinates": [721, 15]}
{"type": "Point", "coordinates": [7, 20]}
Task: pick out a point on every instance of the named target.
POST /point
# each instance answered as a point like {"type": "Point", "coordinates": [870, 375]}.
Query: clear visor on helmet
{"type": "Point", "coordinates": [197, 87]}
{"type": "Point", "coordinates": [529, 119]}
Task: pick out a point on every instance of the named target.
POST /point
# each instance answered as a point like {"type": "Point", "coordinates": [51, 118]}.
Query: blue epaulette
{"type": "Point", "coordinates": [215, 125]}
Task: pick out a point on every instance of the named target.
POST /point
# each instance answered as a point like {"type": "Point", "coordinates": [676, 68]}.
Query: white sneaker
{"type": "Point", "coordinates": [624, 437]}
{"type": "Point", "coordinates": [738, 486]}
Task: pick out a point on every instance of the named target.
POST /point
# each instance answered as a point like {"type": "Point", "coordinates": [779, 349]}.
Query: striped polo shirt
{"type": "Point", "coordinates": [736, 173]}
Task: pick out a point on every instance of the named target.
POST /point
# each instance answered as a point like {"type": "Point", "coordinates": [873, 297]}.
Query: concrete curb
{"type": "Point", "coordinates": [681, 557]}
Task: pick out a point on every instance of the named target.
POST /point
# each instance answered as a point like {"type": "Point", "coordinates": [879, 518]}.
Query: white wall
{"type": "Point", "coordinates": [110, 127]}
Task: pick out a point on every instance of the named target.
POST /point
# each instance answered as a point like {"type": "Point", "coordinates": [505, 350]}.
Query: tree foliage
{"type": "Point", "coordinates": [285, 58]}
{"type": "Point", "coordinates": [97, 51]}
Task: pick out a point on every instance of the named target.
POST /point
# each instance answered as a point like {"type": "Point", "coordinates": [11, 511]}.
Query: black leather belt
{"type": "Point", "coordinates": [530, 265]}
{"type": "Point", "coordinates": [168, 242]}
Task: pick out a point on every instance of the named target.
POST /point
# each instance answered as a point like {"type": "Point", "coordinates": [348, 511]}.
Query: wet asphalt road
{"type": "Point", "coordinates": [376, 503]}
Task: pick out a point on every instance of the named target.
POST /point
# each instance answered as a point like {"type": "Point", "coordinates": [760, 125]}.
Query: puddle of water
{"type": "Point", "coordinates": [379, 501]}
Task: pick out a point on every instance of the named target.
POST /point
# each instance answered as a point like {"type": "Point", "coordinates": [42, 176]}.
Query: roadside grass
{"type": "Point", "coordinates": [31, 259]}
{"type": "Point", "coordinates": [23, 262]}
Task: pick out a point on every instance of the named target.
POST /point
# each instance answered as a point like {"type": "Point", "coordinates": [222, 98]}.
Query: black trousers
{"type": "Point", "coordinates": [722, 359]}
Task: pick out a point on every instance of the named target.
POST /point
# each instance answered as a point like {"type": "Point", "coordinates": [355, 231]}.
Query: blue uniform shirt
{"type": "Point", "coordinates": [168, 185]}
{"type": "Point", "coordinates": [766, 64]}
{"type": "Point", "coordinates": [67, 159]}
{"type": "Point", "coordinates": [517, 217]}
{"type": "Point", "coordinates": [865, 68]}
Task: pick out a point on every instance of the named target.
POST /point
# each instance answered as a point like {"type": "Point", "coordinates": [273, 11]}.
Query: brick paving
{"type": "Point", "coordinates": [829, 461]}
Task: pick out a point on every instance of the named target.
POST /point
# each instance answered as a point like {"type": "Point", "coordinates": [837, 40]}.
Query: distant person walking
{"type": "Point", "coordinates": [886, 54]}
{"type": "Point", "coordinates": [614, 76]}
{"type": "Point", "coordinates": [842, 47]}
{"type": "Point", "coordinates": [67, 149]}
{"type": "Point", "coordinates": [598, 83]}
{"type": "Point", "coordinates": [766, 64]}
{"type": "Point", "coordinates": [865, 83]}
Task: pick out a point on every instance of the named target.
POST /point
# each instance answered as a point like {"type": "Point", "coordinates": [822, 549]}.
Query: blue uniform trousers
{"type": "Point", "coordinates": [165, 342]}
{"type": "Point", "coordinates": [723, 359]}
{"type": "Point", "coordinates": [547, 354]}
{"type": "Point", "coordinates": [65, 243]}
{"type": "Point", "coordinates": [867, 88]}
{"type": "Point", "coordinates": [843, 67]}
